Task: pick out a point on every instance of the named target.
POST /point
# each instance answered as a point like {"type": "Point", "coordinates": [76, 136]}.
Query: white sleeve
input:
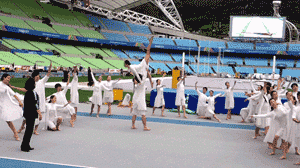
{"type": "Point", "coordinates": [45, 79]}
{"type": "Point", "coordinates": [10, 91]}
{"type": "Point", "coordinates": [251, 83]}
{"type": "Point", "coordinates": [294, 115]}
{"type": "Point", "coordinates": [104, 87]}
{"type": "Point", "coordinates": [217, 95]}
{"type": "Point", "coordinates": [254, 97]}
{"type": "Point", "coordinates": [59, 105]}
{"type": "Point", "coordinates": [268, 115]}
{"type": "Point", "coordinates": [92, 74]}
{"type": "Point", "coordinates": [135, 73]}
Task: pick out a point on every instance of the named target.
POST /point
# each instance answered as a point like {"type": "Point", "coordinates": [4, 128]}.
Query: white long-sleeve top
{"type": "Point", "coordinates": [40, 90]}
{"type": "Point", "coordinates": [201, 98]}
{"type": "Point", "coordinates": [51, 109]}
{"type": "Point", "coordinates": [98, 86]}
{"type": "Point", "coordinates": [229, 99]}
{"type": "Point", "coordinates": [160, 89]}
{"type": "Point", "coordinates": [139, 96]}
{"type": "Point", "coordinates": [74, 96]}
{"type": "Point", "coordinates": [140, 69]}
{"type": "Point", "coordinates": [279, 114]}
{"type": "Point", "coordinates": [180, 89]}
{"type": "Point", "coordinates": [211, 102]}
{"type": "Point", "coordinates": [110, 86]}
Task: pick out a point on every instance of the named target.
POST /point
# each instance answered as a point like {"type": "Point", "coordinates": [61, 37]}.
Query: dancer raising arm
{"type": "Point", "coordinates": [209, 113]}
{"type": "Point", "coordinates": [97, 93]}
{"type": "Point", "coordinates": [229, 99]}
{"type": "Point", "coordinates": [180, 97]}
{"type": "Point", "coordinates": [159, 99]}
{"type": "Point", "coordinates": [109, 94]}
{"type": "Point", "coordinates": [245, 112]}
{"type": "Point", "coordinates": [201, 106]}
{"type": "Point", "coordinates": [74, 95]}
{"type": "Point", "coordinates": [9, 110]}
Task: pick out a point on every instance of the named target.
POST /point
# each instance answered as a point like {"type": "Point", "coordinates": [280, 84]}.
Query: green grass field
{"type": "Point", "coordinates": [83, 94]}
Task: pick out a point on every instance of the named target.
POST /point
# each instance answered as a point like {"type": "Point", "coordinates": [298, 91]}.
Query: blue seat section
{"type": "Point", "coordinates": [202, 69]}
{"type": "Point", "coordinates": [186, 42]}
{"type": "Point", "coordinates": [178, 57]}
{"type": "Point", "coordinates": [273, 47]}
{"type": "Point", "coordinates": [139, 39]}
{"type": "Point", "coordinates": [210, 59]}
{"type": "Point", "coordinates": [288, 62]}
{"type": "Point", "coordinates": [139, 28]}
{"type": "Point", "coordinates": [236, 45]}
{"type": "Point", "coordinates": [294, 47]}
{"type": "Point", "coordinates": [225, 60]}
{"type": "Point", "coordinates": [256, 62]}
{"type": "Point", "coordinates": [162, 66]}
{"type": "Point", "coordinates": [161, 56]}
{"type": "Point", "coordinates": [264, 70]}
{"type": "Point", "coordinates": [163, 41]}
{"type": "Point", "coordinates": [291, 72]}
{"type": "Point", "coordinates": [120, 54]}
{"type": "Point", "coordinates": [223, 69]}
{"type": "Point", "coordinates": [134, 54]}
{"type": "Point", "coordinates": [244, 70]}
{"type": "Point", "coordinates": [114, 36]}
{"type": "Point", "coordinates": [212, 44]}
{"type": "Point", "coordinates": [95, 21]}
{"type": "Point", "coordinates": [115, 25]}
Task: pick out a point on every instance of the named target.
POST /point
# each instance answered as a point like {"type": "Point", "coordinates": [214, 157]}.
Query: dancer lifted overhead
{"type": "Point", "coordinates": [180, 97]}
{"type": "Point", "coordinates": [209, 113]}
{"type": "Point", "coordinates": [9, 109]}
{"type": "Point", "coordinates": [97, 93]}
{"type": "Point", "coordinates": [139, 102]}
{"type": "Point", "coordinates": [201, 106]}
{"type": "Point", "coordinates": [40, 90]}
{"type": "Point", "coordinates": [109, 94]}
{"type": "Point", "coordinates": [229, 99]}
{"type": "Point", "coordinates": [159, 99]}
{"type": "Point", "coordinates": [143, 67]}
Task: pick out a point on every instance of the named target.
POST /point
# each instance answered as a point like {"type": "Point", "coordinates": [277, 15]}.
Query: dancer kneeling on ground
{"type": "Point", "coordinates": [51, 116]}
{"type": "Point", "coordinates": [209, 113]}
{"type": "Point", "coordinates": [139, 102]}
{"type": "Point", "coordinates": [126, 101]}
{"type": "Point", "coordinates": [159, 99]}
{"type": "Point", "coordinates": [201, 106]}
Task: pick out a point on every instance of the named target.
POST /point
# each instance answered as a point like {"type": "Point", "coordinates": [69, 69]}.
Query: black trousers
{"type": "Point", "coordinates": [28, 133]}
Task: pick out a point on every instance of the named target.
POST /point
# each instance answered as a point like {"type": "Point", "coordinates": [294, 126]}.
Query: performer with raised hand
{"type": "Point", "coordinates": [245, 112]}
{"type": "Point", "coordinates": [180, 97]}
{"type": "Point", "coordinates": [143, 67]}
{"type": "Point", "coordinates": [97, 93]}
{"type": "Point", "coordinates": [74, 95]}
{"type": "Point", "coordinates": [159, 99]}
{"type": "Point", "coordinates": [9, 110]}
{"type": "Point", "coordinates": [40, 90]}
{"type": "Point", "coordinates": [229, 99]}
{"type": "Point", "coordinates": [201, 106]}
{"type": "Point", "coordinates": [109, 94]}
{"type": "Point", "coordinates": [209, 113]}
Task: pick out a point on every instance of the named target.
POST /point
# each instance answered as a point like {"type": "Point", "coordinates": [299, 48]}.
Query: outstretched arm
{"type": "Point", "coordinates": [233, 85]}
{"type": "Point", "coordinates": [268, 115]}
{"type": "Point", "coordinates": [93, 77]}
{"type": "Point", "coordinates": [147, 58]}
{"type": "Point", "coordinates": [49, 70]}
{"type": "Point", "coordinates": [217, 95]}
{"type": "Point", "coordinates": [19, 89]}
{"type": "Point", "coordinates": [67, 88]}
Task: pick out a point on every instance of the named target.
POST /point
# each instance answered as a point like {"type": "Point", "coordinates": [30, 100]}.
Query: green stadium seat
{"type": "Point", "coordinates": [79, 61]}
{"type": "Point", "coordinates": [90, 33]}
{"type": "Point", "coordinates": [68, 49]}
{"type": "Point", "coordinates": [31, 7]}
{"type": "Point", "coordinates": [82, 18]}
{"type": "Point", "coordinates": [116, 63]}
{"type": "Point", "coordinates": [20, 44]}
{"type": "Point", "coordinates": [99, 63]}
{"type": "Point", "coordinates": [62, 62]}
{"type": "Point", "coordinates": [1, 23]}
{"type": "Point", "coordinates": [43, 46]}
{"type": "Point", "coordinates": [66, 30]}
{"type": "Point", "coordinates": [7, 45]}
{"type": "Point", "coordinates": [89, 50]}
{"type": "Point", "coordinates": [11, 58]}
{"type": "Point", "coordinates": [109, 52]}
{"type": "Point", "coordinates": [7, 6]}
{"type": "Point", "coordinates": [40, 26]}
{"type": "Point", "coordinates": [34, 58]}
{"type": "Point", "coordinates": [60, 15]}
{"type": "Point", "coordinates": [14, 22]}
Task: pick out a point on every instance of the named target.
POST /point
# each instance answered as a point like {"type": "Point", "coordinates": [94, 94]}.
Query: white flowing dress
{"type": "Point", "coordinates": [294, 138]}
{"type": "Point", "coordinates": [109, 94]}
{"type": "Point", "coordinates": [245, 112]}
{"type": "Point", "coordinates": [51, 113]}
{"type": "Point", "coordinates": [126, 100]}
{"type": "Point", "coordinates": [97, 91]}
{"type": "Point", "coordinates": [229, 99]}
{"type": "Point", "coordinates": [140, 69]}
{"type": "Point", "coordinates": [9, 109]}
{"type": "Point", "coordinates": [180, 97]}
{"type": "Point", "coordinates": [139, 99]}
{"type": "Point", "coordinates": [201, 106]}
{"type": "Point", "coordinates": [40, 90]}
{"type": "Point", "coordinates": [159, 99]}
{"type": "Point", "coordinates": [210, 111]}
{"type": "Point", "coordinates": [74, 95]}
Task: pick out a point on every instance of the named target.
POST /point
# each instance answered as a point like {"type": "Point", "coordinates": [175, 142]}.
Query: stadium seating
{"type": "Point", "coordinates": [63, 62]}
{"type": "Point", "coordinates": [273, 47]}
{"type": "Point", "coordinates": [31, 8]}
{"type": "Point", "coordinates": [11, 58]}
{"type": "Point", "coordinates": [41, 26]}
{"type": "Point", "coordinates": [119, 64]}
{"type": "Point", "coordinates": [99, 64]}
{"type": "Point", "coordinates": [225, 60]}
{"type": "Point", "coordinates": [66, 30]}
{"type": "Point", "coordinates": [82, 18]}
{"type": "Point", "coordinates": [115, 25]}
{"type": "Point", "coordinates": [139, 28]}
{"type": "Point", "coordinates": [244, 70]}
{"type": "Point", "coordinates": [210, 59]}
{"type": "Point", "coordinates": [256, 62]}
{"type": "Point", "coordinates": [14, 22]}
{"type": "Point", "coordinates": [163, 41]}
{"type": "Point", "coordinates": [79, 61]}
{"type": "Point", "coordinates": [43, 46]}
{"type": "Point", "coordinates": [155, 66]}
{"type": "Point", "coordinates": [161, 56]}
{"type": "Point", "coordinates": [134, 54]}
{"type": "Point", "coordinates": [68, 49]}
{"type": "Point", "coordinates": [7, 45]}
{"type": "Point", "coordinates": [264, 70]}
{"type": "Point", "coordinates": [212, 44]}
{"type": "Point", "coordinates": [186, 42]}
{"type": "Point", "coordinates": [114, 36]}
{"type": "Point", "coordinates": [109, 52]}
{"type": "Point", "coordinates": [120, 54]}
{"type": "Point", "coordinates": [7, 6]}
{"type": "Point", "coordinates": [290, 72]}
{"type": "Point", "coordinates": [90, 33]}
{"type": "Point", "coordinates": [96, 21]}
{"type": "Point", "coordinates": [203, 69]}
{"type": "Point", "coordinates": [236, 45]}
{"type": "Point", "coordinates": [20, 44]}
{"type": "Point", "coordinates": [89, 50]}
{"type": "Point", "coordinates": [294, 47]}
{"type": "Point", "coordinates": [224, 69]}
{"type": "Point", "coordinates": [139, 39]}
{"type": "Point", "coordinates": [33, 58]}
{"type": "Point", "coordinates": [288, 62]}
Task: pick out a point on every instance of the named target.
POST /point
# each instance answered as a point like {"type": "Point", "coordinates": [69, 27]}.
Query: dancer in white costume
{"type": "Point", "coordinates": [209, 113]}
{"type": "Point", "coordinates": [53, 121]}
{"type": "Point", "coordinates": [201, 106]}
{"type": "Point", "coordinates": [279, 115]}
{"type": "Point", "coordinates": [245, 112]}
{"type": "Point", "coordinates": [294, 137]}
{"type": "Point", "coordinates": [74, 95]}
{"type": "Point", "coordinates": [40, 90]}
{"type": "Point", "coordinates": [126, 101]}
{"type": "Point", "coordinates": [9, 109]}
{"type": "Point", "coordinates": [62, 100]}
{"type": "Point", "coordinates": [229, 99]}
{"type": "Point", "coordinates": [143, 67]}
{"type": "Point", "coordinates": [139, 102]}
{"type": "Point", "coordinates": [180, 97]}
{"type": "Point", "coordinates": [97, 93]}
{"type": "Point", "coordinates": [159, 99]}
{"type": "Point", "coordinates": [109, 94]}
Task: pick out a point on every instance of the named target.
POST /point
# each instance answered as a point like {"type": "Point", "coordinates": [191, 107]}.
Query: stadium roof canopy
{"type": "Point", "coordinates": [118, 5]}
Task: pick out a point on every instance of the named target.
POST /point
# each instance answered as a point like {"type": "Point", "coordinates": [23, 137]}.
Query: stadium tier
{"type": "Point", "coordinates": [225, 60]}
{"type": "Point", "coordinates": [244, 70]}
{"type": "Point", "coordinates": [58, 61]}
{"type": "Point", "coordinates": [114, 36]}
{"type": "Point", "coordinates": [289, 63]}
{"type": "Point", "coordinates": [116, 63]}
{"type": "Point", "coordinates": [291, 72]}
{"type": "Point", "coordinates": [43, 46]}
{"type": "Point", "coordinates": [212, 44]}
{"type": "Point", "coordinates": [20, 44]}
{"type": "Point", "coordinates": [7, 6]}
{"type": "Point", "coordinates": [96, 21]}
{"type": "Point", "coordinates": [89, 50]}
{"type": "Point", "coordinates": [156, 66]}
{"type": "Point", "coordinates": [135, 54]}
{"type": "Point", "coordinates": [186, 42]}
{"type": "Point", "coordinates": [11, 58]}
{"type": "Point", "coordinates": [224, 69]}
{"type": "Point", "coordinates": [68, 49]}
{"type": "Point", "coordinates": [41, 26]}
{"type": "Point", "coordinates": [90, 33]}
{"type": "Point", "coordinates": [35, 59]}
{"type": "Point", "coordinates": [109, 52]}
{"type": "Point", "coordinates": [14, 22]}
{"type": "Point", "coordinates": [98, 63]}
{"type": "Point", "coordinates": [30, 8]}
{"type": "Point", "coordinates": [7, 45]}
{"type": "Point", "coordinates": [294, 47]}
{"type": "Point", "coordinates": [139, 28]}
{"type": "Point", "coordinates": [82, 18]}
{"type": "Point", "coordinates": [120, 54]}
{"type": "Point", "coordinates": [79, 61]}
{"type": "Point", "coordinates": [274, 47]}
{"type": "Point", "coordinates": [115, 25]}
{"type": "Point", "coordinates": [139, 39]}
{"type": "Point", "coordinates": [160, 56]}
{"type": "Point", "coordinates": [177, 57]}
{"type": "Point", "coordinates": [236, 45]}
{"type": "Point", "coordinates": [256, 62]}
{"type": "Point", "coordinates": [66, 30]}
{"type": "Point", "coordinates": [163, 41]}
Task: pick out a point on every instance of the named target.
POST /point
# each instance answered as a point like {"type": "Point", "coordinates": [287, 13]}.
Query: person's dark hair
{"type": "Point", "coordinates": [178, 77]}
{"type": "Point", "coordinates": [138, 81]}
{"type": "Point", "coordinates": [35, 73]}
{"type": "Point", "coordinates": [226, 82]}
{"type": "Point", "coordinates": [270, 104]}
{"type": "Point", "coordinates": [205, 88]}
{"type": "Point", "coordinates": [57, 85]}
{"type": "Point", "coordinates": [211, 91]}
{"type": "Point", "coordinates": [272, 93]}
{"type": "Point", "coordinates": [261, 87]}
{"type": "Point", "coordinates": [274, 86]}
{"type": "Point", "coordinates": [30, 84]}
{"type": "Point", "coordinates": [127, 62]}
{"type": "Point", "coordinates": [287, 92]}
{"type": "Point", "coordinates": [4, 76]}
{"type": "Point", "coordinates": [294, 84]}
{"type": "Point", "coordinates": [51, 98]}
{"type": "Point", "coordinates": [269, 84]}
{"type": "Point", "coordinates": [157, 81]}
{"type": "Point", "coordinates": [294, 98]}
{"type": "Point", "coordinates": [298, 94]}
{"type": "Point", "coordinates": [268, 89]}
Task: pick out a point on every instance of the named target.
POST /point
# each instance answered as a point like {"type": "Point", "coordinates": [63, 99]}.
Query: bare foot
{"type": "Point", "coordinates": [17, 137]}
{"type": "Point", "coordinates": [178, 116]}
{"type": "Point", "coordinates": [256, 136]}
{"type": "Point", "coordinates": [153, 114]}
{"type": "Point", "coordinates": [97, 116]}
{"type": "Point", "coordinates": [163, 115]}
{"type": "Point", "coordinates": [58, 129]}
{"type": "Point", "coordinates": [109, 114]}
{"type": "Point", "coordinates": [185, 116]}
{"type": "Point", "coordinates": [282, 157]}
{"type": "Point", "coordinates": [297, 153]}
{"type": "Point", "coordinates": [133, 127]}
{"type": "Point", "coordinates": [219, 120]}
{"type": "Point", "coordinates": [270, 146]}
{"type": "Point", "coordinates": [146, 129]}
{"type": "Point", "coordinates": [91, 113]}
{"type": "Point", "coordinates": [242, 121]}
{"type": "Point", "coordinates": [21, 129]}
{"type": "Point", "coordinates": [273, 153]}
{"type": "Point", "coordinates": [72, 123]}
{"type": "Point", "coordinates": [297, 163]}
{"type": "Point", "coordinates": [36, 133]}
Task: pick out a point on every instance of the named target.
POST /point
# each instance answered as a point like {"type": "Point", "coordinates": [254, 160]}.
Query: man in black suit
{"type": "Point", "coordinates": [31, 112]}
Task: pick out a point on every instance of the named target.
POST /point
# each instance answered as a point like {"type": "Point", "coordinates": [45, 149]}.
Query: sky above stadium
{"type": "Point", "coordinates": [196, 13]}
